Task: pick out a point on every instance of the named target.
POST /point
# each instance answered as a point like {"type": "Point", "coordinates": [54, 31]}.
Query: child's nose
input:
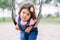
{"type": "Point", "coordinates": [25, 15]}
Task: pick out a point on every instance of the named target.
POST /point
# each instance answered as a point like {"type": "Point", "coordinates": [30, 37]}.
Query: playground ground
{"type": "Point", "coordinates": [47, 31]}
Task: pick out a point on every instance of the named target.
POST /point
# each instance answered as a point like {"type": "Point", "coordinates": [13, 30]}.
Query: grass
{"type": "Point", "coordinates": [50, 20]}
{"type": "Point", "coordinates": [43, 20]}
{"type": "Point", "coordinates": [6, 19]}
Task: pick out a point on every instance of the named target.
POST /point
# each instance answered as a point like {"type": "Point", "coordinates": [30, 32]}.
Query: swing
{"type": "Point", "coordinates": [14, 15]}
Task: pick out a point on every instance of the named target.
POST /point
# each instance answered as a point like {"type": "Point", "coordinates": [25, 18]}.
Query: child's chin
{"type": "Point", "coordinates": [24, 20]}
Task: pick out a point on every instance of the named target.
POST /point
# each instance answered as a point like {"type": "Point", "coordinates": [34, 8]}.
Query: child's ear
{"type": "Point", "coordinates": [32, 22]}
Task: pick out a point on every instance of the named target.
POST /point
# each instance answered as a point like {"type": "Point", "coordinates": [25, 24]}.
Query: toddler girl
{"type": "Point", "coordinates": [26, 21]}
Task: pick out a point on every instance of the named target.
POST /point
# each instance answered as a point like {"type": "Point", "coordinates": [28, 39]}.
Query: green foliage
{"type": "Point", "coordinates": [50, 20]}
{"type": "Point", "coordinates": [7, 19]}
{"type": "Point", "coordinates": [49, 15]}
{"type": "Point", "coordinates": [57, 14]}
{"type": "Point", "coordinates": [58, 1]}
{"type": "Point", "coordinates": [48, 1]}
{"type": "Point", "coordinates": [6, 4]}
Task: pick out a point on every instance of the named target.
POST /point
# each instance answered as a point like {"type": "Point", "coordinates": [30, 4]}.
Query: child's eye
{"type": "Point", "coordinates": [28, 14]}
{"type": "Point", "coordinates": [23, 12]}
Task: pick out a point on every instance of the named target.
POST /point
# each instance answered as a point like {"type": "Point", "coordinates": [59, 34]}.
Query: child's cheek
{"type": "Point", "coordinates": [28, 17]}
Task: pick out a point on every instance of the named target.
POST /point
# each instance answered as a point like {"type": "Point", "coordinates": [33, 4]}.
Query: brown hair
{"type": "Point", "coordinates": [28, 5]}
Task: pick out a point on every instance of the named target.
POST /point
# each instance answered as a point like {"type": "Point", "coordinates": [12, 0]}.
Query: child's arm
{"type": "Point", "coordinates": [28, 29]}
{"type": "Point", "coordinates": [31, 25]}
{"type": "Point", "coordinates": [17, 27]}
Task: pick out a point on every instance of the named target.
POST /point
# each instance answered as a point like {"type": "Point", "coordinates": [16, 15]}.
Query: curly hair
{"type": "Point", "coordinates": [28, 5]}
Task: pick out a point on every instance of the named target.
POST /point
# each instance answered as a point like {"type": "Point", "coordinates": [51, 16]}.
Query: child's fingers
{"type": "Point", "coordinates": [17, 27]}
{"type": "Point", "coordinates": [28, 29]}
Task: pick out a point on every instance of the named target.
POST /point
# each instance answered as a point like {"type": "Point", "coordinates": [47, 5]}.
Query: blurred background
{"type": "Point", "coordinates": [49, 26]}
{"type": "Point", "coordinates": [50, 9]}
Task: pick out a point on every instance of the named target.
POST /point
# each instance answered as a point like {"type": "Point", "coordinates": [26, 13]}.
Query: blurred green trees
{"type": "Point", "coordinates": [5, 4]}
{"type": "Point", "coordinates": [47, 1]}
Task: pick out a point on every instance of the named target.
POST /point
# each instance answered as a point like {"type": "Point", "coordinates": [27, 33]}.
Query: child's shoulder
{"type": "Point", "coordinates": [17, 19]}
{"type": "Point", "coordinates": [32, 21]}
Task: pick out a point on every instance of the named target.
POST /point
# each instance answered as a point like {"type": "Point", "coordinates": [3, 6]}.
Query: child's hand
{"type": "Point", "coordinates": [32, 22]}
{"type": "Point", "coordinates": [17, 27]}
{"type": "Point", "coordinates": [28, 29]}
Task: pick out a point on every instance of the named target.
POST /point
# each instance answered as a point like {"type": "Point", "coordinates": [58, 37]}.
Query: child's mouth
{"type": "Point", "coordinates": [24, 18]}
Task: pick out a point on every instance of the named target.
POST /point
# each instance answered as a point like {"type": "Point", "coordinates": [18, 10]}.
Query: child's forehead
{"type": "Point", "coordinates": [25, 10]}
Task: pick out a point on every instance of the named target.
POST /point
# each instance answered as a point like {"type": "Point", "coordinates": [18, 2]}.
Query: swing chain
{"type": "Point", "coordinates": [39, 14]}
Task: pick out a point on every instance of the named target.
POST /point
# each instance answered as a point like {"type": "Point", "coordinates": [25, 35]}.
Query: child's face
{"type": "Point", "coordinates": [25, 15]}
